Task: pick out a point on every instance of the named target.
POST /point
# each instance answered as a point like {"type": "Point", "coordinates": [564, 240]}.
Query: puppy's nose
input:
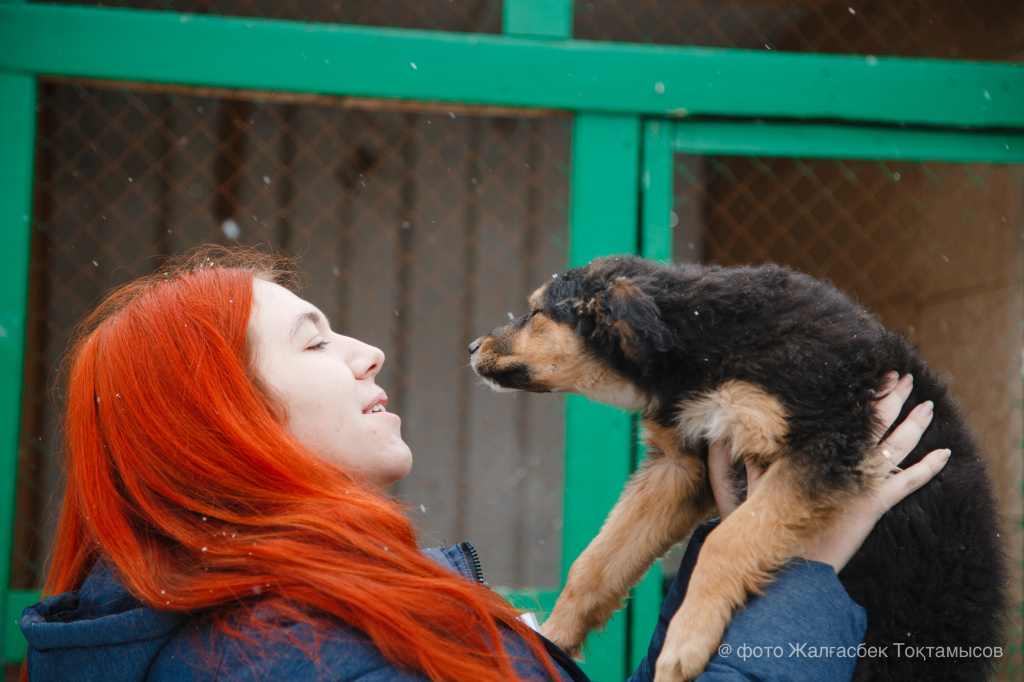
{"type": "Point", "coordinates": [473, 347]}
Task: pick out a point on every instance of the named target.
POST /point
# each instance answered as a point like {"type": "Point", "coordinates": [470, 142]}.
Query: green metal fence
{"type": "Point", "coordinates": [654, 127]}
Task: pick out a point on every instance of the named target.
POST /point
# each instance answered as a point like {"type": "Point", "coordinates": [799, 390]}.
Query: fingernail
{"type": "Point", "coordinates": [945, 455]}
{"type": "Point", "coordinates": [907, 380]}
{"type": "Point", "coordinates": [927, 407]}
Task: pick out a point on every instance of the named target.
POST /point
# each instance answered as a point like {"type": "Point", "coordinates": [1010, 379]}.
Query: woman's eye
{"type": "Point", "coordinates": [319, 346]}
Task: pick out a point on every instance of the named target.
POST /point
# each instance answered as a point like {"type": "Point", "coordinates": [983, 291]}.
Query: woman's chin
{"type": "Point", "coordinates": [395, 468]}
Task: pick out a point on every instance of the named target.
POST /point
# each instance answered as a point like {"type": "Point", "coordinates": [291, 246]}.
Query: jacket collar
{"type": "Point", "coordinates": [99, 630]}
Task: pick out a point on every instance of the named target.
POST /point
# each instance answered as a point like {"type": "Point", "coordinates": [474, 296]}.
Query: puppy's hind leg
{"type": "Point", "coordinates": [663, 502]}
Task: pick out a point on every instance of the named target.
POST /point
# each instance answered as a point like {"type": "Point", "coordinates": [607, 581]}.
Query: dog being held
{"type": "Point", "coordinates": [785, 369]}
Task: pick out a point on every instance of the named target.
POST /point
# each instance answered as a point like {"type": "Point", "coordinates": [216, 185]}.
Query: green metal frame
{"type": "Point", "coordinates": [17, 145]}
{"type": "Point", "coordinates": [664, 139]}
{"type": "Point", "coordinates": [623, 96]}
{"type": "Point", "coordinates": [207, 50]}
{"type": "Point", "coordinates": [792, 139]}
{"type": "Point", "coordinates": [599, 439]}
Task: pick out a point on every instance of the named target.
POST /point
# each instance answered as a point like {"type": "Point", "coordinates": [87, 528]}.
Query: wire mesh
{"type": "Point", "coordinates": [909, 28]}
{"type": "Point", "coordinates": [477, 16]}
{"type": "Point", "coordinates": [419, 231]}
{"type": "Point", "coordinates": [936, 250]}
{"type": "Point", "coordinates": [415, 232]}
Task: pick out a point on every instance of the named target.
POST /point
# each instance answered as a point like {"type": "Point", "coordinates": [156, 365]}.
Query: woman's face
{"type": "Point", "coordinates": [325, 382]}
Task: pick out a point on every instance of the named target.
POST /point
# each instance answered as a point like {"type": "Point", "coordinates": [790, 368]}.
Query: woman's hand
{"type": "Point", "coordinates": [838, 544]}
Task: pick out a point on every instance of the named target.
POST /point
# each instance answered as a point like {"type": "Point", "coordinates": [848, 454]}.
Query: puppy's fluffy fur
{"type": "Point", "coordinates": [786, 370]}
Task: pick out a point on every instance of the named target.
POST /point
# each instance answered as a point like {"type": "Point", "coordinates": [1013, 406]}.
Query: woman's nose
{"type": "Point", "coordinates": [366, 360]}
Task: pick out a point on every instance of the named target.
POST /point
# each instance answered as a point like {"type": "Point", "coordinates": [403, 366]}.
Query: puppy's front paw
{"type": "Point", "coordinates": [566, 633]}
{"type": "Point", "coordinates": [678, 666]}
{"type": "Point", "coordinates": [686, 652]}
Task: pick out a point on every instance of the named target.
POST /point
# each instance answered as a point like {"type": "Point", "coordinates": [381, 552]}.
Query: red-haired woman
{"type": "Point", "coordinates": [225, 515]}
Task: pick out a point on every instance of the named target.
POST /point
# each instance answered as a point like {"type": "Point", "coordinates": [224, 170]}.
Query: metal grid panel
{"type": "Point", "coordinates": [934, 249]}
{"type": "Point", "coordinates": [942, 29]}
{"type": "Point", "coordinates": [477, 16]}
{"type": "Point", "coordinates": [415, 232]}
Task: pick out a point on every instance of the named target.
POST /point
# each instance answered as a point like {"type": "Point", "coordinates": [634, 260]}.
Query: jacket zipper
{"type": "Point", "coordinates": [475, 568]}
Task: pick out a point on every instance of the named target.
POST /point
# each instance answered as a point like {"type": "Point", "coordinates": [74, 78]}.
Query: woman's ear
{"type": "Point", "coordinates": [628, 316]}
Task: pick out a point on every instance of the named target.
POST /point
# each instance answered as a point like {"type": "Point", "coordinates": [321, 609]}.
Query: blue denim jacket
{"type": "Point", "coordinates": [101, 632]}
{"type": "Point", "coordinates": [804, 627]}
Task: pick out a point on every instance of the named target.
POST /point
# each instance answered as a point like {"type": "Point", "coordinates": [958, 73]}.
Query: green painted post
{"type": "Point", "coordinates": [599, 439]}
{"type": "Point", "coordinates": [17, 145]}
{"type": "Point", "coordinates": [656, 191]}
{"type": "Point", "coordinates": [655, 243]}
{"type": "Point", "coordinates": [538, 18]}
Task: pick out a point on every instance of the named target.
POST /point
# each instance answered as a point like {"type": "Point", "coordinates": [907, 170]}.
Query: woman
{"type": "Point", "coordinates": [225, 514]}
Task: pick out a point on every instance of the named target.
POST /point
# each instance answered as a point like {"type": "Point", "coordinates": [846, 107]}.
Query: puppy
{"type": "Point", "coordinates": [785, 369]}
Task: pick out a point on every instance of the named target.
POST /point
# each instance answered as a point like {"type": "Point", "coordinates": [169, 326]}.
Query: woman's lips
{"type": "Point", "coordinates": [378, 404]}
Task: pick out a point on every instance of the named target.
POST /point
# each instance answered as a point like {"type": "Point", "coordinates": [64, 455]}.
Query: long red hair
{"type": "Point", "coordinates": [180, 471]}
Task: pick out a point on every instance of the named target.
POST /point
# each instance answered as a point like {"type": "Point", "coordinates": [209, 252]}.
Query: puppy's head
{"type": "Point", "coordinates": [591, 331]}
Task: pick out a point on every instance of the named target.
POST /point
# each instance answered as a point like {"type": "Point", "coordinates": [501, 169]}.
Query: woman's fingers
{"type": "Point", "coordinates": [839, 542]}
{"type": "Point", "coordinates": [897, 487]}
{"type": "Point", "coordinates": [894, 394]}
{"type": "Point", "coordinates": [905, 437]}
{"type": "Point", "coordinates": [754, 474]}
{"type": "Point", "coordinates": [895, 449]}
{"type": "Point", "coordinates": [718, 473]}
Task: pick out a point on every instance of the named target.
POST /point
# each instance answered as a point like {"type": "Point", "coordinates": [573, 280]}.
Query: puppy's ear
{"type": "Point", "coordinates": [626, 315]}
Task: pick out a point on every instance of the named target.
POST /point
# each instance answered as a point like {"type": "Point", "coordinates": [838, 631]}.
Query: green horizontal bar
{"type": "Point", "coordinates": [14, 643]}
{"type": "Point", "coordinates": [205, 50]}
{"type": "Point", "coordinates": [823, 141]}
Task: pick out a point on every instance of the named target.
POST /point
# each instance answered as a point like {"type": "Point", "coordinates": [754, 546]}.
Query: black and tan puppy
{"type": "Point", "coordinates": [785, 369]}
